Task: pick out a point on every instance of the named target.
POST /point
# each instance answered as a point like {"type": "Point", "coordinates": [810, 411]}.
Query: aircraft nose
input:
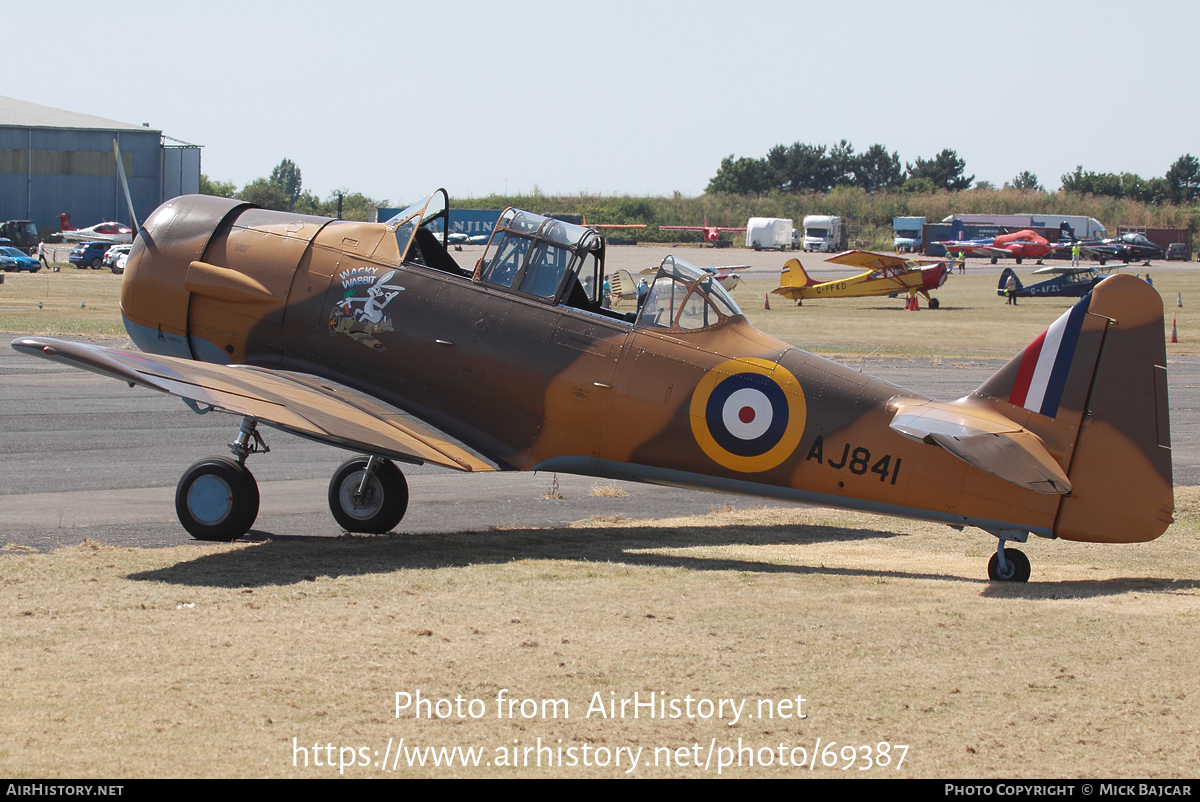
{"type": "Point", "coordinates": [153, 303]}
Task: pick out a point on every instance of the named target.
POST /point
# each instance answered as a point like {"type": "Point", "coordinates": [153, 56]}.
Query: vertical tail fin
{"type": "Point", "coordinates": [64, 222]}
{"type": "Point", "coordinates": [1066, 233]}
{"type": "Point", "coordinates": [957, 232]}
{"type": "Point", "coordinates": [793, 275]}
{"type": "Point", "coordinates": [1002, 287]}
{"type": "Point", "coordinates": [1093, 387]}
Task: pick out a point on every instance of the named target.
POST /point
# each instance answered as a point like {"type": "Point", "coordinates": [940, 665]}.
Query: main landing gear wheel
{"type": "Point", "coordinates": [934, 303]}
{"type": "Point", "coordinates": [217, 499]}
{"type": "Point", "coordinates": [1017, 569]}
{"type": "Point", "coordinates": [371, 507]}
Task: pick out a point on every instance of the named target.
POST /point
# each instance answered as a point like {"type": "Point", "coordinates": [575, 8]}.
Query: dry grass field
{"type": "Point", "coordinates": [238, 660]}
{"type": "Point", "coordinates": [286, 658]}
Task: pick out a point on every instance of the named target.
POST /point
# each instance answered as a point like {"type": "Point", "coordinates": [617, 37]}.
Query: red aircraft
{"type": "Point", "coordinates": [1019, 245]}
{"type": "Point", "coordinates": [711, 233]}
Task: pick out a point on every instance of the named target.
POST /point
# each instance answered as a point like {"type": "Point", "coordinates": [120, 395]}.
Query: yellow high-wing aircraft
{"type": "Point", "coordinates": [886, 274]}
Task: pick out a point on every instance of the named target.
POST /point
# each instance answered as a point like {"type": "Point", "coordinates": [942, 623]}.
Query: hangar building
{"type": "Point", "coordinates": [54, 161]}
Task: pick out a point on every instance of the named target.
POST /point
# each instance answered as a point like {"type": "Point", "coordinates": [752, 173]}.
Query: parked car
{"type": "Point", "coordinates": [119, 265]}
{"type": "Point", "coordinates": [110, 256]}
{"type": "Point", "coordinates": [1177, 252]}
{"type": "Point", "coordinates": [89, 254]}
{"type": "Point", "coordinates": [13, 259]}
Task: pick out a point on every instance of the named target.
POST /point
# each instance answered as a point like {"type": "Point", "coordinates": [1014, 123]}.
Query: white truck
{"type": "Point", "coordinates": [772, 233]}
{"type": "Point", "coordinates": [824, 234]}
{"type": "Point", "coordinates": [907, 230]}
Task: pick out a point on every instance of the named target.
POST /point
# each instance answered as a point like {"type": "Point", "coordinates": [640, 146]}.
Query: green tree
{"type": "Point", "coordinates": [1027, 181]}
{"type": "Point", "coordinates": [267, 194]}
{"type": "Point", "coordinates": [740, 177]}
{"type": "Point", "coordinates": [876, 169]}
{"type": "Point", "coordinates": [286, 176]}
{"type": "Point", "coordinates": [1183, 179]}
{"type": "Point", "coordinates": [843, 164]}
{"type": "Point", "coordinates": [222, 189]}
{"type": "Point", "coordinates": [944, 170]}
{"type": "Point", "coordinates": [800, 168]}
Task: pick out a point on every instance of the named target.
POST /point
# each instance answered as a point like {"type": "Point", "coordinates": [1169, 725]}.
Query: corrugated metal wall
{"type": "Point", "coordinates": [44, 171]}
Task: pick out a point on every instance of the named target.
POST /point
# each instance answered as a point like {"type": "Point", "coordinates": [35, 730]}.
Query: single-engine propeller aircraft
{"type": "Point", "coordinates": [1069, 283]}
{"type": "Point", "coordinates": [711, 233]}
{"type": "Point", "coordinates": [253, 312]}
{"type": "Point", "coordinates": [886, 274]}
{"type": "Point", "coordinates": [101, 232]}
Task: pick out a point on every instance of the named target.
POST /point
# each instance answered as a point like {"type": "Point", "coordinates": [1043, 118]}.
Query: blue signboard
{"type": "Point", "coordinates": [471, 222]}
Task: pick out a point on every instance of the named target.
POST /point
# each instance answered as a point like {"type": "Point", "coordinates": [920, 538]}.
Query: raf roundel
{"type": "Point", "coordinates": [748, 414]}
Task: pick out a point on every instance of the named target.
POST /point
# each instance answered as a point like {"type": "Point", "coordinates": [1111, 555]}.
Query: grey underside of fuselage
{"type": "Point", "coordinates": [609, 469]}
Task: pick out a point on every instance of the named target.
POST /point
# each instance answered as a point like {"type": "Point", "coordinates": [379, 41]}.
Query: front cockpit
{"type": "Point", "coordinates": [685, 297]}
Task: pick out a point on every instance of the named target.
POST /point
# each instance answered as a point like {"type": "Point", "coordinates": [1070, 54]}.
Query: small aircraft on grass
{"type": "Point", "coordinates": [1070, 283]}
{"type": "Point", "coordinates": [516, 361]}
{"type": "Point", "coordinates": [101, 232]}
{"type": "Point", "coordinates": [886, 274]}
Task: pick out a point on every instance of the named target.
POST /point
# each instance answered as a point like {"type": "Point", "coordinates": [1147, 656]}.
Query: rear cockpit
{"type": "Point", "coordinates": [545, 259]}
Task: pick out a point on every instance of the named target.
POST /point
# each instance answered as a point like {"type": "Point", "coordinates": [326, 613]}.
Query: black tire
{"type": "Point", "coordinates": [217, 499]}
{"type": "Point", "coordinates": [96, 263]}
{"type": "Point", "coordinates": [383, 505]}
{"type": "Point", "coordinates": [1018, 567]}
{"type": "Point", "coordinates": [934, 303]}
{"type": "Point", "coordinates": [993, 260]}
{"type": "Point", "coordinates": [1018, 260]}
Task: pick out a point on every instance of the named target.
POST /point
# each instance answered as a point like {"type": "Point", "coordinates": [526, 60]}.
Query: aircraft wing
{"type": "Point", "coordinates": [870, 260]}
{"type": "Point", "coordinates": [982, 438]}
{"type": "Point", "coordinates": [1058, 271]}
{"type": "Point", "coordinates": [291, 402]}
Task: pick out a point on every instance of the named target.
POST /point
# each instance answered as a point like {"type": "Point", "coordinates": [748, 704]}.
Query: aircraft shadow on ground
{"type": "Point", "coordinates": [279, 561]}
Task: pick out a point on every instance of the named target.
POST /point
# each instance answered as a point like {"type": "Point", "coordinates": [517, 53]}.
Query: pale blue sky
{"type": "Point", "coordinates": [394, 99]}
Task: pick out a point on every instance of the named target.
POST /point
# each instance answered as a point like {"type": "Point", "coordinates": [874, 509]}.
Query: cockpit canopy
{"type": "Point", "coordinates": [434, 205]}
{"type": "Point", "coordinates": [544, 258]}
{"type": "Point", "coordinates": [684, 297]}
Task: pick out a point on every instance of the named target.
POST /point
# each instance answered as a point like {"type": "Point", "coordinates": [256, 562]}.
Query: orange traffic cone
{"type": "Point", "coordinates": [1179, 300]}
{"type": "Point", "coordinates": [1174, 331]}
{"type": "Point", "coordinates": [767, 301]}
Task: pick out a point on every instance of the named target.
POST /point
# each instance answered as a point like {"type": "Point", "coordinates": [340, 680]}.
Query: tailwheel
{"type": "Point", "coordinates": [368, 495]}
{"type": "Point", "coordinates": [1016, 567]}
{"type": "Point", "coordinates": [217, 499]}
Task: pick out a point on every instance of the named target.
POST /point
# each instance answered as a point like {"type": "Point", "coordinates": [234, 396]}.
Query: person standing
{"type": "Point", "coordinates": [962, 262]}
{"type": "Point", "coordinates": [42, 253]}
{"type": "Point", "coordinates": [1010, 288]}
{"type": "Point", "coordinates": [1075, 255]}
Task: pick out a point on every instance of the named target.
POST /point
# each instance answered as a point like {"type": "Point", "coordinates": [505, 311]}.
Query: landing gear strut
{"type": "Point", "coordinates": [217, 498]}
{"type": "Point", "coordinates": [1008, 565]}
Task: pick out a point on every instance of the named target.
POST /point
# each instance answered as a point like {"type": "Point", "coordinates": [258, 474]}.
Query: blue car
{"type": "Point", "coordinates": [15, 260]}
{"type": "Point", "coordinates": [89, 254]}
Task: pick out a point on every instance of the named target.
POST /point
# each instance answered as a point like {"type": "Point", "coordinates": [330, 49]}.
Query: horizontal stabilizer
{"type": "Point", "coordinates": [297, 404]}
{"type": "Point", "coordinates": [985, 439]}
